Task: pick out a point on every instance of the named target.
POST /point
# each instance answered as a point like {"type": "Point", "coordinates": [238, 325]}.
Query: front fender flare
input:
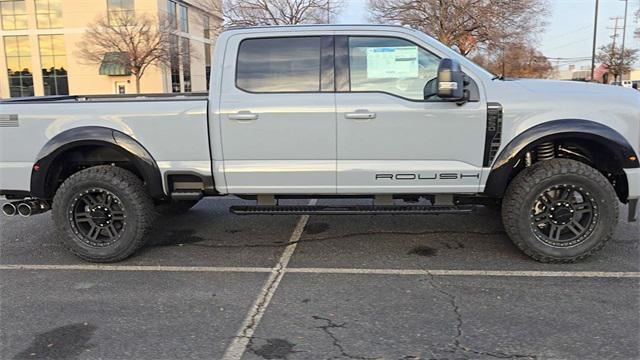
{"type": "Point", "coordinates": [503, 166]}
{"type": "Point", "coordinates": [41, 184]}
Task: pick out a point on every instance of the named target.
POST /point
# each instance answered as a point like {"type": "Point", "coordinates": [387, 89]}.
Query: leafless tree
{"type": "Point", "coordinates": [465, 24]}
{"type": "Point", "coordinates": [617, 63]}
{"type": "Point", "coordinates": [274, 12]}
{"type": "Point", "coordinates": [518, 60]}
{"type": "Point", "coordinates": [138, 42]}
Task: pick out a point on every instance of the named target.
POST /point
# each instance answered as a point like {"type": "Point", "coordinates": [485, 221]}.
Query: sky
{"type": "Point", "coordinates": [569, 30]}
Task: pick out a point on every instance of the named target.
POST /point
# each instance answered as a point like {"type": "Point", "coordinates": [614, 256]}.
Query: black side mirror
{"type": "Point", "coordinates": [450, 80]}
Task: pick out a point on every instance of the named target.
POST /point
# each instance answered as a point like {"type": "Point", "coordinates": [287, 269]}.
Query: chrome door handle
{"type": "Point", "coordinates": [360, 115]}
{"type": "Point", "coordinates": [243, 116]}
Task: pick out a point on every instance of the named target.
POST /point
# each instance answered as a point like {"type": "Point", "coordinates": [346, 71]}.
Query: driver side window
{"type": "Point", "coordinates": [390, 65]}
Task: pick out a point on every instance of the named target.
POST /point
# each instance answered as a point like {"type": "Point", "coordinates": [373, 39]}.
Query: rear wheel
{"type": "Point", "coordinates": [560, 211]}
{"type": "Point", "coordinates": [102, 213]}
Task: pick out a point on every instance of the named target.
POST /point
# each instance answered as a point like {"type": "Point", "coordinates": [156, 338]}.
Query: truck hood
{"type": "Point", "coordinates": [578, 88]}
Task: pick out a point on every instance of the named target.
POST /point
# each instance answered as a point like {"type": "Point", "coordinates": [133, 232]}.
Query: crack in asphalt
{"type": "Point", "coordinates": [336, 342]}
{"type": "Point", "coordinates": [457, 341]}
{"type": "Point", "coordinates": [336, 237]}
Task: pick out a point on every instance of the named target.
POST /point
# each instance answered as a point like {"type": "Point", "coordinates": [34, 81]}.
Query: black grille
{"type": "Point", "coordinates": [493, 133]}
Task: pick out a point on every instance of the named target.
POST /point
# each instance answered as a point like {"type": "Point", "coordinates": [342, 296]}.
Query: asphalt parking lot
{"type": "Point", "coordinates": [212, 285]}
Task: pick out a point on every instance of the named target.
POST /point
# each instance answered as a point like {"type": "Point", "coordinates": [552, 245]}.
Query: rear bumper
{"type": "Point", "coordinates": [633, 178]}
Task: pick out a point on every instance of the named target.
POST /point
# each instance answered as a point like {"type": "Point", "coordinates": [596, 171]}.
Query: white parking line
{"type": "Point", "coordinates": [350, 271]}
{"type": "Point", "coordinates": [240, 342]}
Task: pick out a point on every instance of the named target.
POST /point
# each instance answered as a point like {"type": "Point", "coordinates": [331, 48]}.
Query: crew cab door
{"type": "Point", "coordinates": [390, 140]}
{"type": "Point", "coordinates": [277, 114]}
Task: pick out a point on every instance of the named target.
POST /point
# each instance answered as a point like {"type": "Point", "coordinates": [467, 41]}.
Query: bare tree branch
{"type": "Point", "coordinates": [617, 63]}
{"type": "Point", "coordinates": [465, 24]}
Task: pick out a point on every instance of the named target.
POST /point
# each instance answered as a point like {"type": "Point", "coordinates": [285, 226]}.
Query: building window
{"type": "Point", "coordinates": [49, 14]}
{"type": "Point", "coordinates": [18, 55]}
{"type": "Point", "coordinates": [174, 63]}
{"type": "Point", "coordinates": [172, 11]}
{"type": "Point", "coordinates": [279, 65]}
{"type": "Point", "coordinates": [53, 60]}
{"type": "Point", "coordinates": [14, 14]}
{"type": "Point", "coordinates": [186, 64]}
{"type": "Point", "coordinates": [184, 19]}
{"type": "Point", "coordinates": [119, 9]}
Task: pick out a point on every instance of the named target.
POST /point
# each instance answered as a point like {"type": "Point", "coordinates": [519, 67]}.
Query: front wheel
{"type": "Point", "coordinates": [102, 213]}
{"type": "Point", "coordinates": [560, 211]}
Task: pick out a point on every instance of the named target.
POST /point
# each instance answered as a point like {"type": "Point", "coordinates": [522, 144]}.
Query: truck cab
{"type": "Point", "coordinates": [380, 112]}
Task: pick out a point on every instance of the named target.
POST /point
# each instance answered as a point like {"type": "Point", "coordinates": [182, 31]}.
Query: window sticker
{"type": "Point", "coordinates": [392, 62]}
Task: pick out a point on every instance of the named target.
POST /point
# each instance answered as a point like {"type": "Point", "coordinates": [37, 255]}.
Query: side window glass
{"type": "Point", "coordinates": [279, 65]}
{"type": "Point", "coordinates": [390, 65]}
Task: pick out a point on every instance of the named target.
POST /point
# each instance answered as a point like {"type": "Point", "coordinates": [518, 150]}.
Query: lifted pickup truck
{"type": "Point", "coordinates": [381, 112]}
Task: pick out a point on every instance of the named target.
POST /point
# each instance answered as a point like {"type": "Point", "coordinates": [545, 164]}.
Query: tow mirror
{"type": "Point", "coordinates": [450, 80]}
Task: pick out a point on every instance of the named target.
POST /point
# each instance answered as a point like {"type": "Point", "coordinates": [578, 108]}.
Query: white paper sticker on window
{"type": "Point", "coordinates": [392, 62]}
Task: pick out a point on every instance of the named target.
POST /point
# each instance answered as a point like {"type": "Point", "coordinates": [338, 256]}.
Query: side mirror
{"type": "Point", "coordinates": [450, 80]}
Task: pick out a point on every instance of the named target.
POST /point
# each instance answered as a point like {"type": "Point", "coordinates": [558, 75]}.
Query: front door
{"type": "Point", "coordinates": [277, 117]}
{"type": "Point", "coordinates": [390, 139]}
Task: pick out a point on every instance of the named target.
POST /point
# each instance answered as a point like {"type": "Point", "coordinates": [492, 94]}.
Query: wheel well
{"type": "Point", "coordinates": [85, 156]}
{"type": "Point", "coordinates": [588, 151]}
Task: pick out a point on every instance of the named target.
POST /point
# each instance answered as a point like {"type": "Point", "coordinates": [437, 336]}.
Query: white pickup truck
{"type": "Point", "coordinates": [381, 112]}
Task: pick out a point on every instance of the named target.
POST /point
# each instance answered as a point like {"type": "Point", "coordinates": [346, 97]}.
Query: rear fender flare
{"type": "Point", "coordinates": [41, 184]}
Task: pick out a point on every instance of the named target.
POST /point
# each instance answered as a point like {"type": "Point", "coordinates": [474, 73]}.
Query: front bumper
{"type": "Point", "coordinates": [633, 178]}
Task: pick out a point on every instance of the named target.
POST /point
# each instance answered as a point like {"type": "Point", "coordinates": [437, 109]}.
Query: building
{"type": "Point", "coordinates": [39, 45]}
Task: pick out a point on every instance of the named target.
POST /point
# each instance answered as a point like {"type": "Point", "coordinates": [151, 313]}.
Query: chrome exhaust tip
{"type": "Point", "coordinates": [9, 209]}
{"type": "Point", "coordinates": [24, 210]}
{"type": "Point", "coordinates": [32, 207]}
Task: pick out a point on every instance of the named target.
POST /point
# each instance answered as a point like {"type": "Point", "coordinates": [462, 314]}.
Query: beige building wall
{"type": "Point", "coordinates": [83, 78]}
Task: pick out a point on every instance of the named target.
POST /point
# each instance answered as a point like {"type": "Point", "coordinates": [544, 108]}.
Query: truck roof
{"type": "Point", "coordinates": [316, 27]}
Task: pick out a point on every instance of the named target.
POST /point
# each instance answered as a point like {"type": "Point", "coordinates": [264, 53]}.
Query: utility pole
{"type": "Point", "coordinates": [624, 32]}
{"type": "Point", "coordinates": [615, 29]}
{"type": "Point", "coordinates": [595, 35]}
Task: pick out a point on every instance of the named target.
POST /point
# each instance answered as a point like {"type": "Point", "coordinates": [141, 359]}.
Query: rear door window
{"type": "Point", "coordinates": [272, 65]}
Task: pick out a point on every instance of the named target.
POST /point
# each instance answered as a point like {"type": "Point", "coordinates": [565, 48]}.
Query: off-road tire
{"type": "Point", "coordinates": [137, 204]}
{"type": "Point", "coordinates": [525, 189]}
{"type": "Point", "coordinates": [176, 207]}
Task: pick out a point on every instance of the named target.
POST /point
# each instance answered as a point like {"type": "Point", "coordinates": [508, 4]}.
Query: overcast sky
{"type": "Point", "coordinates": [569, 32]}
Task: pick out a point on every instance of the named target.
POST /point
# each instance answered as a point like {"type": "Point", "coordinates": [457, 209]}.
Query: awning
{"type": "Point", "coordinates": [114, 64]}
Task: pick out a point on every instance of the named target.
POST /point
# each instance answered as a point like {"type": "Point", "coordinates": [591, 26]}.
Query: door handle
{"type": "Point", "coordinates": [243, 116]}
{"type": "Point", "coordinates": [360, 115]}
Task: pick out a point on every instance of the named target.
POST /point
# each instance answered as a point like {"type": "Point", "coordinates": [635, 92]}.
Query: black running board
{"type": "Point", "coordinates": [351, 210]}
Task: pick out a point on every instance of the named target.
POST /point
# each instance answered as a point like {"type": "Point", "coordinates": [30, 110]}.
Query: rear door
{"type": "Point", "coordinates": [277, 112]}
{"type": "Point", "coordinates": [392, 140]}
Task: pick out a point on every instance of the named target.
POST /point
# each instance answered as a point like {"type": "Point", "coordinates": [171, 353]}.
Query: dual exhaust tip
{"type": "Point", "coordinates": [25, 208]}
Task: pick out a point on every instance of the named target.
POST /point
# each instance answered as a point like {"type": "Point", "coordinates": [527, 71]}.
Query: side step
{"type": "Point", "coordinates": [352, 210]}
{"type": "Point", "coordinates": [186, 195]}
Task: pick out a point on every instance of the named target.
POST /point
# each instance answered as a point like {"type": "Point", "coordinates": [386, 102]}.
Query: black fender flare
{"type": "Point", "coordinates": [41, 186]}
{"type": "Point", "coordinates": [501, 171]}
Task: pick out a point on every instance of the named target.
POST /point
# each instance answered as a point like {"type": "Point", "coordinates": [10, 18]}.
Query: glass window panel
{"type": "Point", "coordinates": [11, 46]}
{"type": "Point", "coordinates": [57, 42]}
{"type": "Point", "coordinates": [20, 22]}
{"type": "Point", "coordinates": [13, 65]}
{"type": "Point", "coordinates": [279, 65]}
{"type": "Point", "coordinates": [6, 7]}
{"type": "Point", "coordinates": [23, 45]}
{"type": "Point", "coordinates": [19, 8]}
{"type": "Point", "coordinates": [47, 62]}
{"type": "Point", "coordinates": [25, 63]}
{"type": "Point", "coordinates": [42, 6]}
{"type": "Point", "coordinates": [390, 65]}
{"type": "Point", "coordinates": [43, 21]}
{"type": "Point", "coordinates": [8, 23]}
{"type": "Point", "coordinates": [46, 46]}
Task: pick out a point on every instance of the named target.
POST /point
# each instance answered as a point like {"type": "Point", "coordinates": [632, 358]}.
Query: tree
{"type": "Point", "coordinates": [134, 42]}
{"type": "Point", "coordinates": [519, 60]}
{"type": "Point", "coordinates": [274, 12]}
{"type": "Point", "coordinates": [465, 24]}
{"type": "Point", "coordinates": [617, 63]}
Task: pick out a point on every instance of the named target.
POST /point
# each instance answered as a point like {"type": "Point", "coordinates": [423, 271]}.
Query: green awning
{"type": "Point", "coordinates": [114, 64]}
